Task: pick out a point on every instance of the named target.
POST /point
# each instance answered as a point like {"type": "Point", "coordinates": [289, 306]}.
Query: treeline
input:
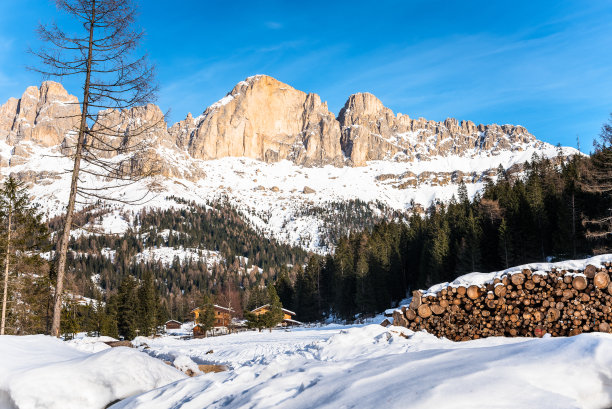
{"type": "Point", "coordinates": [109, 259]}
{"type": "Point", "coordinates": [135, 309]}
{"type": "Point", "coordinates": [556, 209]}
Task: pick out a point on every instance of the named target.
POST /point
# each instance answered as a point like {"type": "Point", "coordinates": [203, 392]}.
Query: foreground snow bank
{"type": "Point", "coordinates": [393, 367]}
{"type": "Point", "coordinates": [43, 372]}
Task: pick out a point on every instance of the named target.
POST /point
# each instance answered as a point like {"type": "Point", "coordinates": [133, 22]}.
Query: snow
{"type": "Point", "coordinates": [38, 371]}
{"type": "Point", "coordinates": [329, 366]}
{"type": "Point", "coordinates": [481, 279]}
{"type": "Point", "coordinates": [372, 366]}
{"type": "Point", "coordinates": [279, 209]}
{"type": "Point", "coordinates": [166, 255]}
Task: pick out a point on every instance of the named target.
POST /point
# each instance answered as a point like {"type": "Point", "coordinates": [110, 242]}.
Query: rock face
{"type": "Point", "coordinates": [264, 119]}
{"type": "Point", "coordinates": [42, 115]}
{"type": "Point", "coordinates": [261, 118]}
{"type": "Point", "coordinates": [370, 131]}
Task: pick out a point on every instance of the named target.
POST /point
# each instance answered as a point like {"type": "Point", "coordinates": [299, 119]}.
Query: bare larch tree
{"type": "Point", "coordinates": [598, 179]}
{"type": "Point", "coordinates": [102, 55]}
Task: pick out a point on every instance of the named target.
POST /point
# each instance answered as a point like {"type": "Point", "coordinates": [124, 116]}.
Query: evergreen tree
{"type": "Point", "coordinates": [127, 308]}
{"type": "Point", "coordinates": [207, 314]}
{"type": "Point", "coordinates": [274, 315]}
{"type": "Point", "coordinates": [21, 233]}
{"type": "Point", "coordinates": [147, 306]}
{"type": "Point", "coordinates": [283, 287]}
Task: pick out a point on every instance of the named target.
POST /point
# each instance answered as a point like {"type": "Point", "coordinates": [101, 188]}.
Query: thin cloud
{"type": "Point", "coordinates": [273, 25]}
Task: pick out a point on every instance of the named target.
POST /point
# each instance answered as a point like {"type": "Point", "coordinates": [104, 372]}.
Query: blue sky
{"type": "Point", "coordinates": [546, 65]}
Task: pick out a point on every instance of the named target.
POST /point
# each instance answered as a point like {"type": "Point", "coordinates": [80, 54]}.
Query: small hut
{"type": "Point", "coordinates": [173, 324]}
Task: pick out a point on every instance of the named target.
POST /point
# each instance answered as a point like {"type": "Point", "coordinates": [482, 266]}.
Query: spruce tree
{"type": "Point", "coordinates": [207, 314]}
{"type": "Point", "coordinates": [22, 232]}
{"type": "Point", "coordinates": [147, 306]}
{"type": "Point", "coordinates": [127, 308]}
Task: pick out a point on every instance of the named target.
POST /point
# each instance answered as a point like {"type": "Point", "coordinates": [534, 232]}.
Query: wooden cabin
{"type": "Point", "coordinates": [223, 315]}
{"type": "Point", "coordinates": [288, 316]}
{"type": "Point", "coordinates": [173, 324]}
{"type": "Point", "coordinates": [198, 331]}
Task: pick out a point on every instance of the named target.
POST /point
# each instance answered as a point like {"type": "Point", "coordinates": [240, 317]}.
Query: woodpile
{"type": "Point", "coordinates": [558, 302]}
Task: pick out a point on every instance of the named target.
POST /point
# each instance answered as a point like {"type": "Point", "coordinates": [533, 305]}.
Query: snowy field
{"type": "Point", "coordinates": [372, 366]}
{"type": "Point", "coordinates": [326, 367]}
{"type": "Point", "coordinates": [332, 366]}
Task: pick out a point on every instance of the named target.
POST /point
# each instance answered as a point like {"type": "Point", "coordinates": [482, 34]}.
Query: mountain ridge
{"type": "Point", "coordinates": [275, 153]}
{"type": "Point", "coordinates": [265, 119]}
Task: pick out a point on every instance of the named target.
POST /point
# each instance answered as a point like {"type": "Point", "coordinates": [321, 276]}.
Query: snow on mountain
{"type": "Point", "coordinates": [166, 255]}
{"type": "Point", "coordinates": [274, 153]}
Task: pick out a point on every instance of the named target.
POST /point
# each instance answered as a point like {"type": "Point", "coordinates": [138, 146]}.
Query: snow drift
{"type": "Point", "coordinates": [43, 372]}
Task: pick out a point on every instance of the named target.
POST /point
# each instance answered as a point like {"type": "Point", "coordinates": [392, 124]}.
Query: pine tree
{"type": "Point", "coordinates": [127, 306]}
{"type": "Point", "coordinates": [207, 314]}
{"type": "Point", "coordinates": [147, 306]}
{"type": "Point", "coordinates": [21, 232]}
{"type": "Point", "coordinates": [283, 287]}
{"type": "Point", "coordinates": [274, 315]}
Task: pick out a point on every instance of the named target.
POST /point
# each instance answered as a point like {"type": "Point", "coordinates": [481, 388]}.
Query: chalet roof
{"type": "Point", "coordinates": [267, 305]}
{"type": "Point", "coordinates": [178, 322]}
{"type": "Point", "coordinates": [214, 306]}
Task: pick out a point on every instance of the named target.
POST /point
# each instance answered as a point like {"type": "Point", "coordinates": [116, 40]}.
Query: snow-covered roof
{"type": "Point", "coordinates": [215, 306]}
{"type": "Point", "coordinates": [267, 305]}
{"type": "Point", "coordinates": [178, 322]}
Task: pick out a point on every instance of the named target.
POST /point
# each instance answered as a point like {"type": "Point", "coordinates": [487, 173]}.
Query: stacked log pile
{"type": "Point", "coordinates": [558, 302]}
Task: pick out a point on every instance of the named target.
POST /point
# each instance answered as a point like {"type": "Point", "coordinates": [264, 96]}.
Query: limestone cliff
{"type": "Point", "coordinates": [264, 119]}
{"type": "Point", "coordinates": [42, 115]}
{"type": "Point", "coordinates": [370, 131]}
{"type": "Point", "coordinates": [261, 118]}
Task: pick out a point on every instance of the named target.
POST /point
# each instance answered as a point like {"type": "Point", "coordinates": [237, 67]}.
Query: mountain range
{"type": "Point", "coordinates": [276, 154]}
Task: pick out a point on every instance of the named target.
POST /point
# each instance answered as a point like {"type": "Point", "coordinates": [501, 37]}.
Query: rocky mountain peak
{"type": "Point", "coordinates": [265, 119]}
{"type": "Point", "coordinates": [42, 115]}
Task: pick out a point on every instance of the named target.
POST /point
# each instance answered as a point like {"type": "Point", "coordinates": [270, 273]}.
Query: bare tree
{"type": "Point", "coordinates": [102, 55]}
{"type": "Point", "coordinates": [597, 178]}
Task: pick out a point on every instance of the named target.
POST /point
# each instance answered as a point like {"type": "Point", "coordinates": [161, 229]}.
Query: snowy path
{"type": "Point", "coordinates": [371, 366]}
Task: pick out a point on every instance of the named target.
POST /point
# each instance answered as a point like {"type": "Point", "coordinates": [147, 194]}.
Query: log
{"type": "Point", "coordinates": [517, 278]}
{"type": "Point", "coordinates": [601, 280]}
{"type": "Point", "coordinates": [603, 327]}
{"type": "Point", "coordinates": [473, 292]}
{"type": "Point", "coordinates": [424, 311]}
{"type": "Point", "coordinates": [411, 314]}
{"type": "Point", "coordinates": [416, 300]}
{"type": "Point", "coordinates": [437, 309]}
{"type": "Point", "coordinates": [579, 283]}
{"type": "Point", "coordinates": [590, 271]}
{"type": "Point", "coordinates": [500, 291]}
{"type": "Point", "coordinates": [553, 315]}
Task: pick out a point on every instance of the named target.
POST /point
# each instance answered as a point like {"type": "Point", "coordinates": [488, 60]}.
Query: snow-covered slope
{"type": "Point", "coordinates": [276, 197]}
{"type": "Point", "coordinates": [248, 151]}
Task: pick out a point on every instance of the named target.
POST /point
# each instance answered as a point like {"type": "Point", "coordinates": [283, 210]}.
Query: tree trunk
{"type": "Point", "coordinates": [65, 238]}
{"type": "Point", "coordinates": [6, 272]}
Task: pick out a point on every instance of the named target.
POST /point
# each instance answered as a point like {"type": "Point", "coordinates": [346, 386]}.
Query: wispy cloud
{"type": "Point", "coordinates": [273, 25]}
